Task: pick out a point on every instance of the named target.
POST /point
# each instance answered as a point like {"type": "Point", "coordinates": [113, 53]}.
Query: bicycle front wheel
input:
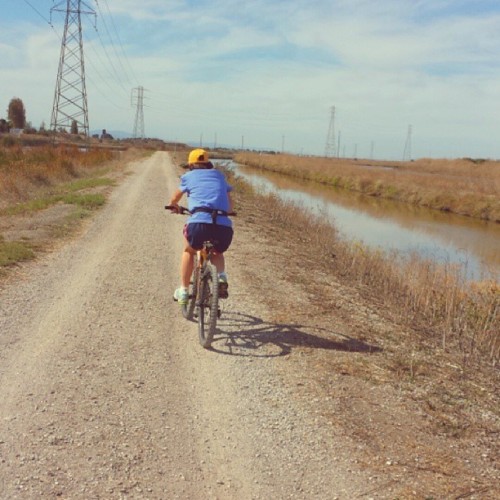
{"type": "Point", "coordinates": [188, 309]}
{"type": "Point", "coordinates": [208, 305]}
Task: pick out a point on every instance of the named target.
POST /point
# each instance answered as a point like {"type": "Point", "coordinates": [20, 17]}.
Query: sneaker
{"type": "Point", "coordinates": [181, 295]}
{"type": "Point", "coordinates": [223, 286]}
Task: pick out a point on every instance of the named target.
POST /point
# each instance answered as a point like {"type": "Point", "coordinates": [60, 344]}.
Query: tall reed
{"type": "Point", "coordinates": [463, 186]}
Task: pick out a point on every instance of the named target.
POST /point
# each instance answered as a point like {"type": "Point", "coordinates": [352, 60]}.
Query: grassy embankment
{"type": "Point", "coordinates": [34, 179]}
{"type": "Point", "coordinates": [432, 300]}
{"type": "Point", "coordinates": [466, 187]}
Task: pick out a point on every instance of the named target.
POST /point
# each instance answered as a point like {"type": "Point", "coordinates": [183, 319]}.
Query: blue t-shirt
{"type": "Point", "coordinates": [206, 188]}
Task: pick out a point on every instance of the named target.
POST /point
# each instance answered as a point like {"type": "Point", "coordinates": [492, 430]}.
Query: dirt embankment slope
{"type": "Point", "coordinates": [306, 394]}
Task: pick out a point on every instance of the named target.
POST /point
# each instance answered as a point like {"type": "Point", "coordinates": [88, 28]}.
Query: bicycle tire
{"type": "Point", "coordinates": [188, 309]}
{"type": "Point", "coordinates": [208, 305]}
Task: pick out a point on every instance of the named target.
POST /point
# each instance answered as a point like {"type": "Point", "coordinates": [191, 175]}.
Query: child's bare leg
{"type": "Point", "coordinates": [218, 261]}
{"type": "Point", "coordinates": [187, 263]}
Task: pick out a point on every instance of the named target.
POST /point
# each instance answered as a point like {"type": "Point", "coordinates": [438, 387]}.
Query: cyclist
{"type": "Point", "coordinates": [209, 201]}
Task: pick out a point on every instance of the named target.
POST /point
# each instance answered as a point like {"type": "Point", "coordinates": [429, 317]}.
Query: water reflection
{"type": "Point", "coordinates": [473, 245]}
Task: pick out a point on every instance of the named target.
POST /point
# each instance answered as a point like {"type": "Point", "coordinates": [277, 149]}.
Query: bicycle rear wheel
{"type": "Point", "coordinates": [208, 305]}
{"type": "Point", "coordinates": [188, 309]}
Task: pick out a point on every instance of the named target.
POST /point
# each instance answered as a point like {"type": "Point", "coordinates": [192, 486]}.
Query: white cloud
{"type": "Point", "coordinates": [271, 69]}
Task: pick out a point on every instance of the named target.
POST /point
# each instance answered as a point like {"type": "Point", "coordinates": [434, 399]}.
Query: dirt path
{"type": "Point", "coordinates": [107, 394]}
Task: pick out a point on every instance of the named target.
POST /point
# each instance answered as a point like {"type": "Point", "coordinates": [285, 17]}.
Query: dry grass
{"type": "Point", "coordinates": [26, 172]}
{"type": "Point", "coordinates": [34, 179]}
{"type": "Point", "coordinates": [466, 187]}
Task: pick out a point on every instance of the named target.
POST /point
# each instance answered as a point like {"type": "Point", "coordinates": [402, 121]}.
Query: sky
{"type": "Point", "coordinates": [417, 78]}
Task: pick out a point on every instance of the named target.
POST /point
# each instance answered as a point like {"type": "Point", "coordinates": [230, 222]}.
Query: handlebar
{"type": "Point", "coordinates": [179, 209]}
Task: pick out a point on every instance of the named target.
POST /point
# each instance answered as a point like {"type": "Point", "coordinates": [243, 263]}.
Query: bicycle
{"type": "Point", "coordinates": [203, 293]}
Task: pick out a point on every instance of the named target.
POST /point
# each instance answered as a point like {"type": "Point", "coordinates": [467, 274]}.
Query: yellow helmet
{"type": "Point", "coordinates": [198, 156]}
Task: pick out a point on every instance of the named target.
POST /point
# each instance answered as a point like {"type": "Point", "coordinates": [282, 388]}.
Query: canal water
{"type": "Point", "coordinates": [469, 244]}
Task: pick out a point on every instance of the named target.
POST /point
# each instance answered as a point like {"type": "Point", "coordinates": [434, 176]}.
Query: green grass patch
{"type": "Point", "coordinates": [14, 251]}
{"type": "Point", "coordinates": [81, 184]}
{"type": "Point", "coordinates": [29, 206]}
{"type": "Point", "coordinates": [89, 201]}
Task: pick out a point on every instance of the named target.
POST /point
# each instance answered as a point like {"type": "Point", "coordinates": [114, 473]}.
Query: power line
{"type": "Point", "coordinates": [38, 12]}
{"type": "Point", "coordinates": [102, 65]}
{"type": "Point", "coordinates": [117, 58]}
{"type": "Point", "coordinates": [104, 95]}
{"type": "Point", "coordinates": [118, 79]}
{"type": "Point", "coordinates": [119, 40]}
{"type": "Point", "coordinates": [48, 21]}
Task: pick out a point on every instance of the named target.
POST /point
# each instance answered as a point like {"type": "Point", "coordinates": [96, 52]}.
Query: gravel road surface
{"type": "Point", "coordinates": [106, 392]}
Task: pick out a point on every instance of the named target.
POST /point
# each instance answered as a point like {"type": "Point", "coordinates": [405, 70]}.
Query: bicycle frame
{"type": "Point", "coordinates": [205, 254]}
{"type": "Point", "coordinates": [206, 298]}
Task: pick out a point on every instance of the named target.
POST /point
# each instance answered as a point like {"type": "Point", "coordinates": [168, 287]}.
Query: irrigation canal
{"type": "Point", "coordinates": [471, 245]}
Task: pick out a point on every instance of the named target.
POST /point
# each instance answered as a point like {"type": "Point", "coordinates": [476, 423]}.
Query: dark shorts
{"type": "Point", "coordinates": [197, 233]}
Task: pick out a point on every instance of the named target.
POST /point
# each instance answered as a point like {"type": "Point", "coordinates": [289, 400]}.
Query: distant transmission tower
{"type": "Point", "coordinates": [70, 98]}
{"type": "Point", "coordinates": [407, 150]}
{"type": "Point", "coordinates": [330, 138]}
{"type": "Point", "coordinates": [138, 101]}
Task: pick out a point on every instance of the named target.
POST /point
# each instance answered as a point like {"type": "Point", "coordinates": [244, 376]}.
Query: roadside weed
{"type": "Point", "coordinates": [14, 251]}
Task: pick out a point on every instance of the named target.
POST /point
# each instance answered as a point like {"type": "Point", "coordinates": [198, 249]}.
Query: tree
{"type": "Point", "coordinates": [4, 126]}
{"type": "Point", "coordinates": [74, 127]}
{"type": "Point", "coordinates": [17, 113]}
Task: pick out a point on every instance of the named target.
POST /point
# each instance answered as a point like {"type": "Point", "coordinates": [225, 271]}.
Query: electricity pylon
{"type": "Point", "coordinates": [330, 138]}
{"type": "Point", "coordinates": [70, 97]}
{"type": "Point", "coordinates": [407, 150]}
{"type": "Point", "coordinates": [138, 101]}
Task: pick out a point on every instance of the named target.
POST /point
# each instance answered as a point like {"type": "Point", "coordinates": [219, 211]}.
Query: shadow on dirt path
{"type": "Point", "coordinates": [241, 334]}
